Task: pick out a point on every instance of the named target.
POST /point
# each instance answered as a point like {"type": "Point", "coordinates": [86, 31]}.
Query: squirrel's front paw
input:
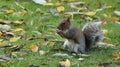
{"type": "Point", "coordinates": [58, 31]}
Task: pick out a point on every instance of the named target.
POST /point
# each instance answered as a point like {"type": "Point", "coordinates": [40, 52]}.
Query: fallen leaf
{"type": "Point", "coordinates": [105, 15]}
{"type": "Point", "coordinates": [57, 3]}
{"type": "Point", "coordinates": [104, 22]}
{"type": "Point", "coordinates": [104, 31]}
{"type": "Point", "coordinates": [42, 52]}
{"type": "Point", "coordinates": [117, 22]}
{"type": "Point", "coordinates": [23, 12]}
{"type": "Point", "coordinates": [115, 55]}
{"type": "Point", "coordinates": [61, 54]}
{"type": "Point", "coordinates": [80, 59]}
{"type": "Point", "coordinates": [54, 12]}
{"type": "Point", "coordinates": [17, 30]}
{"type": "Point", "coordinates": [109, 7]}
{"type": "Point", "coordinates": [34, 48]}
{"type": "Point", "coordinates": [40, 1]}
{"type": "Point", "coordinates": [117, 58]}
{"type": "Point", "coordinates": [1, 43]}
{"type": "Point", "coordinates": [5, 27]}
{"type": "Point", "coordinates": [60, 9]}
{"type": "Point", "coordinates": [10, 11]}
{"type": "Point", "coordinates": [117, 12]}
{"type": "Point", "coordinates": [90, 13]}
{"type": "Point", "coordinates": [5, 57]}
{"type": "Point", "coordinates": [114, 18]}
{"type": "Point", "coordinates": [1, 33]}
{"type": "Point", "coordinates": [17, 22]}
{"type": "Point", "coordinates": [14, 39]}
{"type": "Point", "coordinates": [64, 63]}
{"type": "Point", "coordinates": [109, 45]}
{"type": "Point", "coordinates": [48, 4]}
{"type": "Point", "coordinates": [52, 43]}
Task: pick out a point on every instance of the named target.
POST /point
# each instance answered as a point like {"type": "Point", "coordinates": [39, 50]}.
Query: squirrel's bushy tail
{"type": "Point", "coordinates": [92, 33]}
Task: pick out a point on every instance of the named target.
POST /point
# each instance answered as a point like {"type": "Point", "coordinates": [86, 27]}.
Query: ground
{"type": "Point", "coordinates": [40, 25]}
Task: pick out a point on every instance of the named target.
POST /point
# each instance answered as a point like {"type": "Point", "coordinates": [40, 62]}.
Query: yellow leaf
{"type": "Point", "coordinates": [52, 43]}
{"type": "Point", "coordinates": [105, 31]}
{"type": "Point", "coordinates": [114, 18]}
{"type": "Point", "coordinates": [1, 33]}
{"type": "Point", "coordinates": [17, 30]}
{"type": "Point", "coordinates": [58, 3]}
{"type": "Point", "coordinates": [90, 13]}
{"type": "Point", "coordinates": [108, 7]}
{"type": "Point", "coordinates": [117, 58]}
{"type": "Point", "coordinates": [65, 63]}
{"type": "Point", "coordinates": [14, 39]}
{"type": "Point", "coordinates": [10, 62]}
{"type": "Point", "coordinates": [1, 43]}
{"type": "Point", "coordinates": [23, 12]}
{"type": "Point", "coordinates": [1, 20]}
{"type": "Point", "coordinates": [48, 4]}
{"type": "Point", "coordinates": [105, 15]}
{"type": "Point", "coordinates": [17, 22]}
{"type": "Point", "coordinates": [60, 9]}
{"type": "Point", "coordinates": [10, 11]}
{"type": "Point", "coordinates": [34, 48]}
{"type": "Point", "coordinates": [115, 55]}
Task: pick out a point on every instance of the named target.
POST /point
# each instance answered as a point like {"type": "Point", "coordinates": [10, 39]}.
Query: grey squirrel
{"type": "Point", "coordinates": [79, 40]}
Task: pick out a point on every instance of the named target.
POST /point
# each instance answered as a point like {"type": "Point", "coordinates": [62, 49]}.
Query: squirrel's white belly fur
{"type": "Point", "coordinates": [71, 45]}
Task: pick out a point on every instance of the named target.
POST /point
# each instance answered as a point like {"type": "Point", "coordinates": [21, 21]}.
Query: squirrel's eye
{"type": "Point", "coordinates": [63, 23]}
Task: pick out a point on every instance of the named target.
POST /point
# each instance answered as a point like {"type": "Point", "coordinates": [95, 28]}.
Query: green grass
{"type": "Point", "coordinates": [48, 34]}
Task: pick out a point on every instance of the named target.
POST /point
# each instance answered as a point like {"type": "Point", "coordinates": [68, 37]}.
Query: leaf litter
{"type": "Point", "coordinates": [5, 25]}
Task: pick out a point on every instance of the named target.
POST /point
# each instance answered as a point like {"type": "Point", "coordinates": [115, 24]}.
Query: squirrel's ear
{"type": "Point", "coordinates": [68, 19]}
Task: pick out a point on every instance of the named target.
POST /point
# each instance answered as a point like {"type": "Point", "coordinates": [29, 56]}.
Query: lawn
{"type": "Point", "coordinates": [37, 24]}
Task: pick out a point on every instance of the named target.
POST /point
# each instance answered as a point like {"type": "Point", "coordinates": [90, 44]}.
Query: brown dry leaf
{"type": "Point", "coordinates": [34, 48]}
{"type": "Point", "coordinates": [1, 43]}
{"type": "Point", "coordinates": [60, 9]}
{"type": "Point", "coordinates": [104, 22]}
{"type": "Point", "coordinates": [14, 39]}
{"type": "Point", "coordinates": [64, 63]}
{"type": "Point", "coordinates": [90, 13]}
{"type": "Point", "coordinates": [1, 33]}
{"type": "Point", "coordinates": [10, 11]}
{"type": "Point", "coordinates": [17, 30]}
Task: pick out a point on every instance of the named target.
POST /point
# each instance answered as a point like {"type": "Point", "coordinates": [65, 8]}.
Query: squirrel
{"type": "Point", "coordinates": [79, 40]}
